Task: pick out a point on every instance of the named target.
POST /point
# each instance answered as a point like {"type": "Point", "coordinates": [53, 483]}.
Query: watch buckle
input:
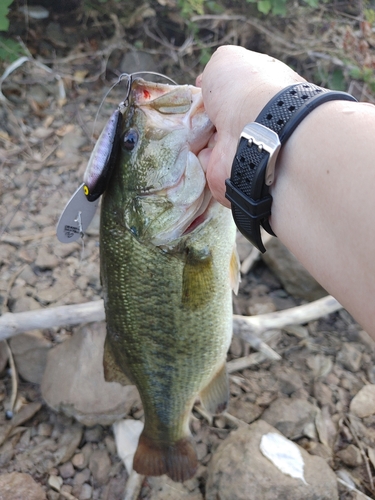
{"type": "Point", "coordinates": [266, 139]}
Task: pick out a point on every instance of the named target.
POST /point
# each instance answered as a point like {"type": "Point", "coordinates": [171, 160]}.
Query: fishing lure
{"type": "Point", "coordinates": [103, 158]}
{"type": "Point", "coordinates": [81, 208]}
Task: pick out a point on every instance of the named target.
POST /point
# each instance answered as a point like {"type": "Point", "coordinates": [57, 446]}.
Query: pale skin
{"type": "Point", "coordinates": [324, 192]}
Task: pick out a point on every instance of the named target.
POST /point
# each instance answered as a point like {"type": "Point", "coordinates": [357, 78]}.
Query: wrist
{"type": "Point", "coordinates": [254, 163]}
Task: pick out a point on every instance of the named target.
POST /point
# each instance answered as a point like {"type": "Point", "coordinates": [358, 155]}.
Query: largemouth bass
{"type": "Point", "coordinates": [167, 254]}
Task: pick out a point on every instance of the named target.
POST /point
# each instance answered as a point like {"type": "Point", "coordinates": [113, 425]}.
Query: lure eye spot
{"type": "Point", "coordinates": [86, 190]}
{"type": "Point", "coordinates": [130, 139]}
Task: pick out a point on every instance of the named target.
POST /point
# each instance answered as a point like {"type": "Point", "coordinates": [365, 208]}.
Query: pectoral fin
{"type": "Point", "coordinates": [197, 279]}
{"type": "Point", "coordinates": [112, 372]}
{"type": "Point", "coordinates": [215, 395]}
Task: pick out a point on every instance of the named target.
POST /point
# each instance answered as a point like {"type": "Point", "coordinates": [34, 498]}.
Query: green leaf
{"type": "Point", "coordinates": [4, 21]}
{"type": "Point", "coordinates": [10, 50]}
{"type": "Point", "coordinates": [312, 3]}
{"type": "Point", "coordinates": [337, 80]}
{"type": "Point", "coordinates": [264, 6]}
{"type": "Point", "coordinates": [279, 7]}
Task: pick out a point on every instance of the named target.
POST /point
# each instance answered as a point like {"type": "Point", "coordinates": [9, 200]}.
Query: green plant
{"type": "Point", "coordinates": [279, 7]}
{"type": "Point", "coordinates": [191, 7]}
{"type": "Point", "coordinates": [4, 9]}
{"type": "Point", "coordinates": [10, 50]}
{"type": "Point", "coordinates": [365, 75]}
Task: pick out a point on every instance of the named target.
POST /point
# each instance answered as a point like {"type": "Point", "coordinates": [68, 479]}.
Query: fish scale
{"type": "Point", "coordinates": [168, 307]}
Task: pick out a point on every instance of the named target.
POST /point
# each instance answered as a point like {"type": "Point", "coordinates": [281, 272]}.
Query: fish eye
{"type": "Point", "coordinates": [130, 139]}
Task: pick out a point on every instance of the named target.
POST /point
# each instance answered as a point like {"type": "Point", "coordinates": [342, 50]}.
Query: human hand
{"type": "Point", "coordinates": [236, 85]}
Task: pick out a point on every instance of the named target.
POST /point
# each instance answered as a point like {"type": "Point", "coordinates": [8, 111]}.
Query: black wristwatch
{"type": "Point", "coordinates": [253, 167]}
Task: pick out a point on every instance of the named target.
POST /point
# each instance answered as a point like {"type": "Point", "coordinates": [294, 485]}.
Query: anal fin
{"type": "Point", "coordinates": [215, 395]}
{"type": "Point", "coordinates": [112, 372]}
{"type": "Point", "coordinates": [178, 460]}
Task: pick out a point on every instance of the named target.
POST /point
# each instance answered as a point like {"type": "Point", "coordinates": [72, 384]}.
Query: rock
{"type": "Point", "coordinates": [29, 276]}
{"type": "Point", "coordinates": [25, 304]}
{"type": "Point", "coordinates": [163, 488]}
{"type": "Point", "coordinates": [289, 381]}
{"type": "Point", "coordinates": [349, 357]}
{"type": "Point", "coordinates": [350, 455]}
{"type": "Point", "coordinates": [363, 403]}
{"type": "Point", "coordinates": [239, 471]}
{"type": "Point", "coordinates": [61, 288]}
{"type": "Point", "coordinates": [115, 488]}
{"type": "Point", "coordinates": [19, 486]}
{"type": "Point", "coordinates": [291, 416]}
{"type": "Point", "coordinates": [30, 355]}
{"type": "Point", "coordinates": [296, 280]}
{"type": "Point", "coordinates": [55, 482]}
{"type": "Point", "coordinates": [261, 305]}
{"type": "Point", "coordinates": [46, 260]}
{"type": "Point", "coordinates": [63, 250]}
{"type": "Point", "coordinates": [86, 492]}
{"type": "Point", "coordinates": [100, 465]}
{"type": "Point", "coordinates": [82, 477]}
{"type": "Point", "coordinates": [94, 434]}
{"type": "Point", "coordinates": [66, 470]}
{"type": "Point", "coordinates": [73, 381]}
{"type": "Point", "coordinates": [68, 443]}
{"type": "Point", "coordinates": [244, 410]}
{"type": "Point", "coordinates": [81, 460]}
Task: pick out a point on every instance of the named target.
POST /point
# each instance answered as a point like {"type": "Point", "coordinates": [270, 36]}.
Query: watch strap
{"type": "Point", "coordinates": [253, 165]}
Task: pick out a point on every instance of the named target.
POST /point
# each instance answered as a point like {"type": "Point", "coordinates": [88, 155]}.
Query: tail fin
{"type": "Point", "coordinates": [177, 460]}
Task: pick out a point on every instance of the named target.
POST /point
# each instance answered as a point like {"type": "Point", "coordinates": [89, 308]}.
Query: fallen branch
{"type": "Point", "coordinates": [247, 327]}
{"type": "Point", "coordinates": [12, 324]}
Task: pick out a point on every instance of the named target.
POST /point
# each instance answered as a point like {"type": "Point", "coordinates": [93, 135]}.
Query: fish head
{"type": "Point", "coordinates": [160, 184]}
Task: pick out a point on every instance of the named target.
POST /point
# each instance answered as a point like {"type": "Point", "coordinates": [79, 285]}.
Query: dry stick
{"type": "Point", "coordinates": [247, 327]}
{"type": "Point", "coordinates": [133, 486]}
{"type": "Point", "coordinates": [348, 422]}
{"type": "Point", "coordinates": [351, 488]}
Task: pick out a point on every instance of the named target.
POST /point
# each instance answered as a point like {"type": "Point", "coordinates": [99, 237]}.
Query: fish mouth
{"type": "Point", "coordinates": [202, 215]}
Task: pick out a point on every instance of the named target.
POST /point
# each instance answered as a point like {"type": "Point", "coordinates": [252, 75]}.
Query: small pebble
{"type": "Point", "coordinates": [45, 429]}
{"type": "Point", "coordinates": [86, 492]}
{"type": "Point", "coordinates": [78, 460]}
{"type": "Point", "coordinates": [66, 470]}
{"type": "Point", "coordinates": [94, 434]}
{"type": "Point", "coordinates": [351, 456]}
{"type": "Point", "coordinates": [82, 477]}
{"type": "Point", "coordinates": [55, 482]}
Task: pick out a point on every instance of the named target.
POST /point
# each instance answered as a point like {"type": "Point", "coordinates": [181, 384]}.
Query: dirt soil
{"type": "Point", "coordinates": [45, 142]}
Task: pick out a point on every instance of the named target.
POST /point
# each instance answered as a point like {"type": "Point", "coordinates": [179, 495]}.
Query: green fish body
{"type": "Point", "coordinates": [167, 257]}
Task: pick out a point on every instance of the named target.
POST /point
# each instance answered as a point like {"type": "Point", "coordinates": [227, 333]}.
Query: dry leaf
{"type": "Point", "coordinates": [284, 454]}
{"type": "Point", "coordinates": [127, 434]}
{"type": "Point", "coordinates": [326, 428]}
{"type": "Point", "coordinates": [65, 129]}
{"type": "Point", "coordinates": [320, 365]}
{"type": "Point", "coordinates": [371, 455]}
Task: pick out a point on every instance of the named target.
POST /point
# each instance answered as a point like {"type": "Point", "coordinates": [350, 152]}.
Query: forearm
{"type": "Point", "coordinates": [324, 202]}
